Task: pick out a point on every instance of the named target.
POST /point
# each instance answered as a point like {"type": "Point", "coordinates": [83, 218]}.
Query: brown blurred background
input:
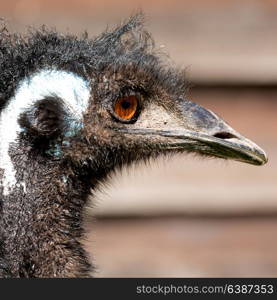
{"type": "Point", "coordinates": [187, 216]}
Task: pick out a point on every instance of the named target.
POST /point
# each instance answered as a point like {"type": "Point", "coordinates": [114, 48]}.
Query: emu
{"type": "Point", "coordinates": [72, 110]}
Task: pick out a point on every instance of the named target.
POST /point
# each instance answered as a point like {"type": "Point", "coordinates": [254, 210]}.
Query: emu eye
{"type": "Point", "coordinates": [125, 108]}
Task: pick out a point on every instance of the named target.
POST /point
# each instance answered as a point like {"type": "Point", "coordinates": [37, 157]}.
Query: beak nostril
{"type": "Point", "coordinates": [224, 135]}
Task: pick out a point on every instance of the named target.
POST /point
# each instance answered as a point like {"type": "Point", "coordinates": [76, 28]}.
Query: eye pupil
{"type": "Point", "coordinates": [125, 104]}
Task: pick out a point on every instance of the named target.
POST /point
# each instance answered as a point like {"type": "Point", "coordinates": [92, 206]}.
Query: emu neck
{"type": "Point", "coordinates": [41, 224]}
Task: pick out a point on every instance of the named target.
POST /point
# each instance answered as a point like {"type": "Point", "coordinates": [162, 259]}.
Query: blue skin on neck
{"type": "Point", "coordinates": [72, 130]}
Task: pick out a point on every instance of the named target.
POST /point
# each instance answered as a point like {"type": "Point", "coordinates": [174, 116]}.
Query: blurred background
{"type": "Point", "coordinates": [186, 216]}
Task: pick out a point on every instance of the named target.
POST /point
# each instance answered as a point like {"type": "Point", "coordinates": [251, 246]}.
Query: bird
{"type": "Point", "coordinates": [72, 110]}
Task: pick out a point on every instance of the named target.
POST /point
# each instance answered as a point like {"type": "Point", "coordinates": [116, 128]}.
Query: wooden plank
{"type": "Point", "coordinates": [172, 247]}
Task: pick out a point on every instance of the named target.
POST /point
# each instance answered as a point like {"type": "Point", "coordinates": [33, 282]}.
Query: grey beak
{"type": "Point", "coordinates": [222, 140]}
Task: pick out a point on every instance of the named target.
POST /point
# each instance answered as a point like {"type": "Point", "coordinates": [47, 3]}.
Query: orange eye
{"type": "Point", "coordinates": [126, 107]}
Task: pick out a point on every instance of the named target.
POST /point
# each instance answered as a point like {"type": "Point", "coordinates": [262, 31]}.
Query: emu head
{"type": "Point", "coordinates": [103, 103]}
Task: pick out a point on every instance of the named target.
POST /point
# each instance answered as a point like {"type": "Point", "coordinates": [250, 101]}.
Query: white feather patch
{"type": "Point", "coordinates": [71, 88]}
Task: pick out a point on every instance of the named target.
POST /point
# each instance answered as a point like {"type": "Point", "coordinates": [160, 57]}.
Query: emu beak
{"type": "Point", "coordinates": [195, 129]}
{"type": "Point", "coordinates": [213, 136]}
